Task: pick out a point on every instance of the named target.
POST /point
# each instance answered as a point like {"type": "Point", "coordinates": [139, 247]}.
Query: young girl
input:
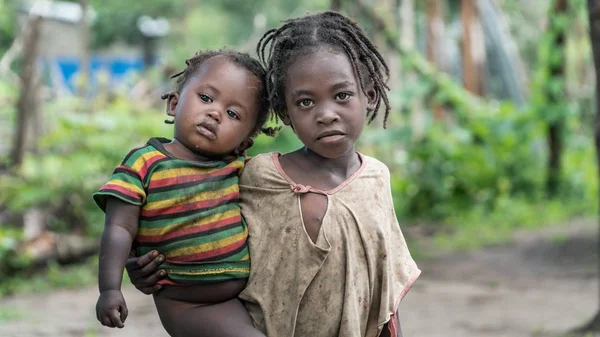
{"type": "Point", "coordinates": [328, 256]}
{"type": "Point", "coordinates": [180, 197]}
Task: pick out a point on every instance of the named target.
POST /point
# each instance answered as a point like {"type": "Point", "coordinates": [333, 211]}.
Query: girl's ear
{"type": "Point", "coordinates": [172, 100]}
{"type": "Point", "coordinates": [372, 98]}
{"type": "Point", "coordinates": [285, 118]}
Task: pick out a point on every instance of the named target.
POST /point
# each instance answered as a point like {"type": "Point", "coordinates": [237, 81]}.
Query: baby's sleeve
{"type": "Point", "coordinates": [126, 183]}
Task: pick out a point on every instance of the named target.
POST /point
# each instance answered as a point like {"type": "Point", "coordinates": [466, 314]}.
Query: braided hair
{"type": "Point", "coordinates": [242, 59]}
{"type": "Point", "coordinates": [278, 48]}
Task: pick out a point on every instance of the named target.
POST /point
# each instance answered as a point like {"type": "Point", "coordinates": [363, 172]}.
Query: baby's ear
{"type": "Point", "coordinates": [172, 100]}
{"type": "Point", "coordinates": [245, 145]}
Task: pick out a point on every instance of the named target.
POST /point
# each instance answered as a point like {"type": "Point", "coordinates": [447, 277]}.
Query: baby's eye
{"type": "Point", "coordinates": [343, 96]}
{"type": "Point", "coordinates": [205, 98]}
{"type": "Point", "coordinates": [233, 114]}
{"type": "Point", "coordinates": [305, 103]}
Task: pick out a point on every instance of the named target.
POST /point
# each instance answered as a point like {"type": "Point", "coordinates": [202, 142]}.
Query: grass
{"type": "Point", "coordinates": [476, 228]}
{"type": "Point", "coordinates": [53, 277]}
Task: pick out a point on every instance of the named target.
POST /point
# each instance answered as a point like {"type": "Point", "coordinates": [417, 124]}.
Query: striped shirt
{"type": "Point", "coordinates": [189, 213]}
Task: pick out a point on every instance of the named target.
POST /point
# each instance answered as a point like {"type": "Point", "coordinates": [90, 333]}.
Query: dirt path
{"type": "Point", "coordinates": [539, 286]}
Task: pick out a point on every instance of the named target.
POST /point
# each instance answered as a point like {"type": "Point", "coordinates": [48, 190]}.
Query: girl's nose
{"type": "Point", "coordinates": [327, 117]}
{"type": "Point", "coordinates": [215, 115]}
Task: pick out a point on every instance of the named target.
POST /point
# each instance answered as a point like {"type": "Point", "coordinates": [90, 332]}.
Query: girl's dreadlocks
{"type": "Point", "coordinates": [278, 48]}
{"type": "Point", "coordinates": [242, 59]}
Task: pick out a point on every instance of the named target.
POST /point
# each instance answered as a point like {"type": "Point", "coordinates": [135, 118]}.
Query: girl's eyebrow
{"type": "Point", "coordinates": [343, 84]}
{"type": "Point", "coordinates": [301, 92]}
{"type": "Point", "coordinates": [337, 86]}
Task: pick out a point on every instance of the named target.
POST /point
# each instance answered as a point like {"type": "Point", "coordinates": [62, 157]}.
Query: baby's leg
{"type": "Point", "coordinates": [226, 319]}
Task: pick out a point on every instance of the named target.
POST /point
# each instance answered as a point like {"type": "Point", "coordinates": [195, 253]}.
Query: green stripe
{"type": "Point", "coordinates": [207, 270]}
{"type": "Point", "coordinates": [186, 220]}
{"type": "Point", "coordinates": [199, 240]}
{"type": "Point", "coordinates": [193, 190]}
{"type": "Point", "coordinates": [134, 155]}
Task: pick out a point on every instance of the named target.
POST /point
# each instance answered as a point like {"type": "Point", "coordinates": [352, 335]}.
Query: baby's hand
{"type": "Point", "coordinates": [111, 310]}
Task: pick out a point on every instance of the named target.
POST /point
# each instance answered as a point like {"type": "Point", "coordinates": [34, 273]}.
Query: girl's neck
{"type": "Point", "coordinates": [344, 165]}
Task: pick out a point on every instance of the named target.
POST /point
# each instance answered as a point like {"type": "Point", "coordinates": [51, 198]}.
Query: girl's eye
{"type": "Point", "coordinates": [205, 98]}
{"type": "Point", "coordinates": [233, 114]}
{"type": "Point", "coordinates": [343, 96]}
{"type": "Point", "coordinates": [305, 103]}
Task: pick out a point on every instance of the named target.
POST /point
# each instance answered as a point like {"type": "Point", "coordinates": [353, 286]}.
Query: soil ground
{"type": "Point", "coordinates": [539, 285]}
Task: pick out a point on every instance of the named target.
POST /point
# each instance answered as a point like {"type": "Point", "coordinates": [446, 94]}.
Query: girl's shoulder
{"type": "Point", "coordinates": [258, 167]}
{"type": "Point", "coordinates": [375, 166]}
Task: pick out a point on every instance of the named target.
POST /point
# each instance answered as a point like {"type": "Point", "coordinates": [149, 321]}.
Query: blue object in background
{"type": "Point", "coordinates": [64, 69]}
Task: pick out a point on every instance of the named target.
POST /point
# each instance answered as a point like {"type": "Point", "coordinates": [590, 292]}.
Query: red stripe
{"type": "Point", "coordinates": [108, 187]}
{"type": "Point", "coordinates": [148, 163]}
{"type": "Point", "coordinates": [127, 168]}
{"type": "Point", "coordinates": [189, 206]}
{"type": "Point", "coordinates": [181, 179]}
{"type": "Point", "coordinates": [167, 282]}
{"type": "Point", "coordinates": [192, 229]}
{"type": "Point", "coordinates": [211, 253]}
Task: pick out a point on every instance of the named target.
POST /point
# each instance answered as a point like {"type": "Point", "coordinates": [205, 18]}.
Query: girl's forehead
{"type": "Point", "coordinates": [319, 65]}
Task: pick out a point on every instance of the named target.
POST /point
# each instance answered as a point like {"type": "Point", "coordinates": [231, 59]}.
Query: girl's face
{"type": "Point", "coordinates": [324, 101]}
{"type": "Point", "coordinates": [217, 108]}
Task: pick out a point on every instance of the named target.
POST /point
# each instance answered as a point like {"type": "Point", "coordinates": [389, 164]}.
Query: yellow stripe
{"type": "Point", "coordinates": [175, 172]}
{"type": "Point", "coordinates": [210, 272]}
{"type": "Point", "coordinates": [128, 186]}
{"type": "Point", "coordinates": [137, 165]}
{"type": "Point", "coordinates": [202, 196]}
{"type": "Point", "coordinates": [206, 247]}
{"type": "Point", "coordinates": [204, 221]}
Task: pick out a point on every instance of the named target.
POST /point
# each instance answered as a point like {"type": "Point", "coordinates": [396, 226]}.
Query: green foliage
{"type": "Point", "coordinates": [77, 156]}
{"type": "Point", "coordinates": [117, 20]}
{"type": "Point", "coordinates": [7, 23]}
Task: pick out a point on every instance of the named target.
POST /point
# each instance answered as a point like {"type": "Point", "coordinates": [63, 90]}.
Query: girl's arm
{"type": "Point", "coordinates": [386, 328]}
{"type": "Point", "coordinates": [121, 227]}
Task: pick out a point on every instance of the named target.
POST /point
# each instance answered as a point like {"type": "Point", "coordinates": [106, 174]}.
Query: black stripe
{"type": "Point", "coordinates": [191, 183]}
{"type": "Point", "coordinates": [117, 194]}
{"type": "Point", "coordinates": [187, 212]}
{"type": "Point", "coordinates": [190, 236]}
{"type": "Point", "coordinates": [126, 172]}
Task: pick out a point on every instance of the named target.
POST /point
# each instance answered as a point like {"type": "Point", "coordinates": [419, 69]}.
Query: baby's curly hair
{"type": "Point", "coordinates": [247, 62]}
{"type": "Point", "coordinates": [278, 48]}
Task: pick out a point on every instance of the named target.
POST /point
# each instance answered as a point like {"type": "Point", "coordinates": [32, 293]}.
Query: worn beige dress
{"type": "Point", "coordinates": [350, 281]}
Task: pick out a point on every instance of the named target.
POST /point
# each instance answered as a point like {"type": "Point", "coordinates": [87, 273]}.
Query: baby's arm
{"type": "Point", "coordinates": [120, 229]}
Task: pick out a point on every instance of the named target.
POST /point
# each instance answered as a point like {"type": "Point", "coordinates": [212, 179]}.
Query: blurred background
{"type": "Point", "coordinates": [490, 143]}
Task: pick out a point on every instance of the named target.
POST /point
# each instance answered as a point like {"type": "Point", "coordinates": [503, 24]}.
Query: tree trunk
{"type": "Point", "coordinates": [473, 48]}
{"type": "Point", "coordinates": [85, 56]}
{"type": "Point", "coordinates": [336, 5]}
{"type": "Point", "coordinates": [27, 102]}
{"type": "Point", "coordinates": [407, 38]}
{"type": "Point", "coordinates": [435, 36]}
{"type": "Point", "coordinates": [594, 17]}
{"type": "Point", "coordinates": [555, 126]}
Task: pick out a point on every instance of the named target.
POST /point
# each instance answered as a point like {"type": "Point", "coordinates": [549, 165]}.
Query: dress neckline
{"type": "Point", "coordinates": [299, 188]}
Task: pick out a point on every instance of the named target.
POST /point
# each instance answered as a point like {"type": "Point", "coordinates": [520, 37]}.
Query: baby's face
{"type": "Point", "coordinates": [217, 108]}
{"type": "Point", "coordinates": [324, 102]}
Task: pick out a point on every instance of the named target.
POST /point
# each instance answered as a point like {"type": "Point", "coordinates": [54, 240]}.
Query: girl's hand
{"type": "Point", "coordinates": [144, 273]}
{"type": "Point", "coordinates": [111, 310]}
